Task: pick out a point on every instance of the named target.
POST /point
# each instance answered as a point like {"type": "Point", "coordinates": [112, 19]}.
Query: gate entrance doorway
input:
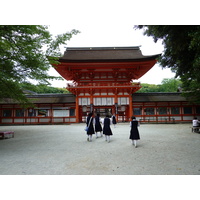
{"type": "Point", "coordinates": [122, 114]}
{"type": "Point", "coordinates": [103, 111]}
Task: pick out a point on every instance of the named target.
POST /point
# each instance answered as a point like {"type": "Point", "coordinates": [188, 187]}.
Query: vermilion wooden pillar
{"type": "Point", "coordinates": [116, 107]}
{"type": "Point", "coordinates": [130, 106]}
{"type": "Point", "coordinates": [77, 109]}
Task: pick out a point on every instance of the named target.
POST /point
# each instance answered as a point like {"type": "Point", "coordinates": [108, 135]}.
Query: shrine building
{"type": "Point", "coordinates": [103, 78]}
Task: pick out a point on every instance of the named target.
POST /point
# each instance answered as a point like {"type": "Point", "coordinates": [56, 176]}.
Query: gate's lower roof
{"type": "Point", "coordinates": [70, 98]}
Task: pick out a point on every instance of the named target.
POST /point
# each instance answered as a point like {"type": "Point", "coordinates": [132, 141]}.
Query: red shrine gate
{"type": "Point", "coordinates": [102, 78]}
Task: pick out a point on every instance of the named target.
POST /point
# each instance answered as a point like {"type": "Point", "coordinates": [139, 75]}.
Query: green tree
{"type": "Point", "coordinates": [26, 53]}
{"type": "Point", "coordinates": [167, 85]}
{"type": "Point", "coordinates": [181, 54]}
{"type": "Point", "coordinates": [148, 88]}
{"type": "Point", "coordinates": [170, 85]}
{"type": "Point", "coordinates": [42, 89]}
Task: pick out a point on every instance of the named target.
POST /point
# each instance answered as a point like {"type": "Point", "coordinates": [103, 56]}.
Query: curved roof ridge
{"type": "Point", "coordinates": [105, 53]}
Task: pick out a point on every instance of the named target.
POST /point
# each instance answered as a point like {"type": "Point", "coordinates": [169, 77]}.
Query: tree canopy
{"type": "Point", "coordinates": [42, 89]}
{"type": "Point", "coordinates": [181, 54]}
{"type": "Point", "coordinates": [167, 85]}
{"type": "Point", "coordinates": [26, 54]}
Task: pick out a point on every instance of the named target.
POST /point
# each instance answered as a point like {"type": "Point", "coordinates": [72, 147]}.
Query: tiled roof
{"type": "Point", "coordinates": [45, 98]}
{"type": "Point", "coordinates": [52, 98]}
{"type": "Point", "coordinates": [70, 98]}
{"type": "Point", "coordinates": [158, 97]}
{"type": "Point", "coordinates": [104, 53]}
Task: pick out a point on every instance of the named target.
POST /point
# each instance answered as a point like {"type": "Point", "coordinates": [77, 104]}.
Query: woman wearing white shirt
{"type": "Point", "coordinates": [195, 122]}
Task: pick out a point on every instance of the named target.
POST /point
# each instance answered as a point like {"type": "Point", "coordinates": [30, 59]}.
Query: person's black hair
{"type": "Point", "coordinates": [90, 114]}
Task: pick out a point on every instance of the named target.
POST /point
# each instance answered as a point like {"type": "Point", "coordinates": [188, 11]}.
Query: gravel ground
{"type": "Point", "coordinates": [164, 149]}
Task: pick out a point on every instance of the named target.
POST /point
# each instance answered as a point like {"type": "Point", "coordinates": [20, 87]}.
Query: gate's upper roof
{"type": "Point", "coordinates": [104, 53]}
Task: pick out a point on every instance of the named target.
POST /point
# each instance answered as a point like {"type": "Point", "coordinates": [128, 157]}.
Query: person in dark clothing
{"type": "Point", "coordinates": [90, 131]}
{"type": "Point", "coordinates": [114, 120]}
{"type": "Point", "coordinates": [106, 128]}
{"type": "Point", "coordinates": [98, 127]}
{"type": "Point", "coordinates": [134, 133]}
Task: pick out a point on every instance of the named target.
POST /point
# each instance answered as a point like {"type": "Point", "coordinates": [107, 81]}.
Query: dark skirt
{"type": "Point", "coordinates": [134, 133]}
{"type": "Point", "coordinates": [106, 127]}
{"type": "Point", "coordinates": [98, 127]}
{"type": "Point", "coordinates": [114, 120]}
{"type": "Point", "coordinates": [91, 127]}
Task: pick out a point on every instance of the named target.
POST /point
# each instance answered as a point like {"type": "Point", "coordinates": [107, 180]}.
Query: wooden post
{"type": "Point", "coordinates": [130, 106]}
{"type": "Point", "coordinates": [116, 107]}
{"type": "Point", "coordinates": [91, 101]}
{"type": "Point", "coordinates": [77, 109]}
